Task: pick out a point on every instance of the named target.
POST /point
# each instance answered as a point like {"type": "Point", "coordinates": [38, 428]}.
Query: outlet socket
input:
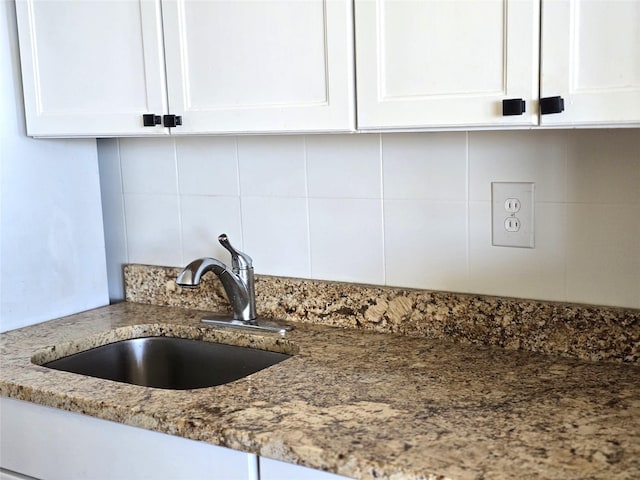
{"type": "Point", "coordinates": [512, 214]}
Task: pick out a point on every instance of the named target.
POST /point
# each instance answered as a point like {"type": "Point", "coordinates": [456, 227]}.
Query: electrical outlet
{"type": "Point", "coordinates": [512, 214]}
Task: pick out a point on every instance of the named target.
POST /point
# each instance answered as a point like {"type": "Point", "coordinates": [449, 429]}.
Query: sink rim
{"type": "Point", "coordinates": [168, 362]}
{"type": "Point", "coordinates": [241, 338]}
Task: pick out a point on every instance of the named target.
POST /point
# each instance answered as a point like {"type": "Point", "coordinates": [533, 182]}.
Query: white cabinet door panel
{"type": "Point", "coordinates": [276, 470]}
{"type": "Point", "coordinates": [437, 63]}
{"type": "Point", "coordinates": [7, 475]}
{"type": "Point", "coordinates": [259, 65]}
{"type": "Point", "coordinates": [591, 58]}
{"type": "Point", "coordinates": [52, 444]}
{"type": "Point", "coordinates": [91, 67]}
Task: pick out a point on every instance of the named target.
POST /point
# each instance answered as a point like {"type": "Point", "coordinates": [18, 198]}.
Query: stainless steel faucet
{"type": "Point", "coordinates": [238, 284]}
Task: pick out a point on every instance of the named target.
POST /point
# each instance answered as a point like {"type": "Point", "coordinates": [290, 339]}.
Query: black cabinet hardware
{"type": "Point", "coordinates": [551, 105]}
{"type": "Point", "coordinates": [151, 120]}
{"type": "Point", "coordinates": [172, 120]}
{"type": "Point", "coordinates": [513, 106]}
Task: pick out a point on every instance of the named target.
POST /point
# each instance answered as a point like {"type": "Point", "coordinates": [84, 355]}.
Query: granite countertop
{"type": "Point", "coordinates": [358, 403]}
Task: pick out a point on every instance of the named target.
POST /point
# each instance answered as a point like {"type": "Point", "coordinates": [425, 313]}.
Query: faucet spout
{"type": "Point", "coordinates": [240, 296]}
{"type": "Point", "coordinates": [191, 275]}
{"type": "Point", "coordinates": [238, 282]}
{"type": "Point", "coordinates": [239, 285]}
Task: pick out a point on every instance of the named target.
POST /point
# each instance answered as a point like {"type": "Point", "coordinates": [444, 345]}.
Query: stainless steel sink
{"type": "Point", "coordinates": [168, 362]}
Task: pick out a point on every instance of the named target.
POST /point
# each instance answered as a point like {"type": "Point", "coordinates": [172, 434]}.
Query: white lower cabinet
{"type": "Point", "coordinates": [7, 475]}
{"type": "Point", "coordinates": [38, 442]}
{"type": "Point", "coordinates": [275, 470]}
{"type": "Point", "coordinates": [49, 444]}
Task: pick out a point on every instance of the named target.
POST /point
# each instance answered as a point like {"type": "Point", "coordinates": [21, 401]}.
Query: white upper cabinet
{"type": "Point", "coordinates": [94, 68]}
{"type": "Point", "coordinates": [89, 68]}
{"type": "Point", "coordinates": [445, 63]}
{"type": "Point", "coordinates": [451, 63]}
{"type": "Point", "coordinates": [591, 59]}
{"type": "Point", "coordinates": [260, 65]}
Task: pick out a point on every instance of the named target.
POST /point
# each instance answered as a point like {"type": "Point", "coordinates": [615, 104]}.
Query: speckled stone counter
{"type": "Point", "coordinates": [572, 330]}
{"type": "Point", "coordinates": [358, 403]}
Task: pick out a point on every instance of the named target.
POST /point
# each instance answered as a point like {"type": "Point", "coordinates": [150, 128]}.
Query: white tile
{"type": "Point", "coordinates": [425, 244]}
{"type": "Point", "coordinates": [109, 164]}
{"type": "Point", "coordinates": [153, 229]}
{"type": "Point", "coordinates": [346, 240]}
{"type": "Point", "coordinates": [604, 166]}
{"type": "Point", "coordinates": [603, 258]}
{"type": "Point", "coordinates": [518, 156]}
{"type": "Point", "coordinates": [276, 235]}
{"type": "Point", "coordinates": [148, 165]}
{"type": "Point", "coordinates": [272, 166]}
{"type": "Point", "coordinates": [115, 232]}
{"type": "Point", "coordinates": [203, 220]}
{"type": "Point", "coordinates": [430, 166]}
{"type": "Point", "coordinates": [344, 166]}
{"type": "Point", "coordinates": [207, 165]}
{"type": "Point", "coordinates": [518, 272]}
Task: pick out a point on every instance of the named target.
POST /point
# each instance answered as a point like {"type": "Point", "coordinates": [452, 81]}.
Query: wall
{"type": "Point", "coordinates": [396, 209]}
{"type": "Point", "coordinates": [52, 260]}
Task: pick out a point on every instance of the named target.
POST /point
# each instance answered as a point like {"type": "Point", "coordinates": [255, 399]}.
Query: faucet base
{"type": "Point", "coordinates": [259, 324]}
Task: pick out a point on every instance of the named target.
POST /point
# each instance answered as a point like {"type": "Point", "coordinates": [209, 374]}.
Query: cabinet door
{"type": "Point", "coordinates": [443, 63]}
{"type": "Point", "coordinates": [91, 68]}
{"type": "Point", "coordinates": [7, 475]}
{"type": "Point", "coordinates": [276, 470]}
{"type": "Point", "coordinates": [260, 65]}
{"type": "Point", "coordinates": [591, 58]}
{"type": "Point", "coordinates": [52, 444]}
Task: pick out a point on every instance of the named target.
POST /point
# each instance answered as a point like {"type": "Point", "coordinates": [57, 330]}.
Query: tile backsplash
{"type": "Point", "coordinates": [402, 209]}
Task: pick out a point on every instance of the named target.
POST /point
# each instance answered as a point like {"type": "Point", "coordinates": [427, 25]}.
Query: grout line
{"type": "Point", "coordinates": [239, 187]}
{"type": "Point", "coordinates": [565, 284]}
{"type": "Point", "coordinates": [382, 209]}
{"type": "Point", "coordinates": [308, 210]}
{"type": "Point", "coordinates": [468, 211]}
{"type": "Point", "coordinates": [124, 210]}
{"type": "Point", "coordinates": [179, 195]}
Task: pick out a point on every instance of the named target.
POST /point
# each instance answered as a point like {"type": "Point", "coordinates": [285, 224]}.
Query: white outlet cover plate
{"type": "Point", "coordinates": [502, 196]}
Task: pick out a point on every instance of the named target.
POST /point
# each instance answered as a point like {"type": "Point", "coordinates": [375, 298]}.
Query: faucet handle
{"type": "Point", "coordinates": [239, 260]}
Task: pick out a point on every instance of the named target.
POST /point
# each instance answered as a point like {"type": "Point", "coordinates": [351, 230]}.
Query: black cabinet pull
{"type": "Point", "coordinates": [172, 120]}
{"type": "Point", "coordinates": [513, 106]}
{"type": "Point", "coordinates": [551, 105]}
{"type": "Point", "coordinates": [151, 120]}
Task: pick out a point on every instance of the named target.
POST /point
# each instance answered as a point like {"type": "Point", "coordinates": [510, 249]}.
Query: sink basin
{"type": "Point", "coordinates": [168, 362]}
